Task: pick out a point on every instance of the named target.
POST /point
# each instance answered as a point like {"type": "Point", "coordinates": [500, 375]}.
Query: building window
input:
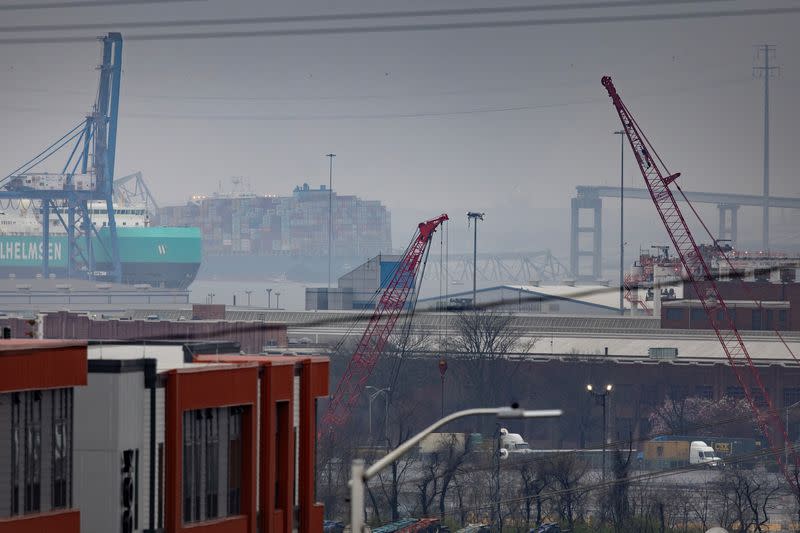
{"type": "Point", "coordinates": [33, 451]}
{"type": "Point", "coordinates": [160, 481]}
{"type": "Point", "coordinates": [756, 319]}
{"type": "Point", "coordinates": [698, 315]}
{"type": "Point", "coordinates": [791, 396]}
{"type": "Point", "coordinates": [674, 314]}
{"type": "Point", "coordinates": [62, 448]}
{"type": "Point", "coordinates": [234, 460]}
{"type": "Point", "coordinates": [16, 431]}
{"type": "Point", "coordinates": [734, 393]}
{"type": "Point", "coordinates": [192, 443]}
{"type": "Point", "coordinates": [758, 397]}
{"type": "Point", "coordinates": [212, 463]}
{"type": "Point", "coordinates": [705, 391]}
{"type": "Point", "coordinates": [207, 461]}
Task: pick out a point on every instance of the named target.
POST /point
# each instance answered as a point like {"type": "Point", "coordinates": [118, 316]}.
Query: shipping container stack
{"type": "Point", "coordinates": [296, 225]}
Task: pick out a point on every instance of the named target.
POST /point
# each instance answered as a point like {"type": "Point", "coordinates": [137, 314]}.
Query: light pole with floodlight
{"type": "Point", "coordinates": [600, 397]}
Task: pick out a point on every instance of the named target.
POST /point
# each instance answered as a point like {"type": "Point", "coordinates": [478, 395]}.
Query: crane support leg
{"type": "Point", "coordinates": [578, 246]}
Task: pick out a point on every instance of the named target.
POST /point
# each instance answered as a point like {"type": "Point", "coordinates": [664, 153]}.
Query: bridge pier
{"type": "Point", "coordinates": [577, 251]}
{"type": "Point", "coordinates": [728, 222]}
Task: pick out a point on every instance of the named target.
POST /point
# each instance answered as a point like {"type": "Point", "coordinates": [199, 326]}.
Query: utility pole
{"type": "Point", "coordinates": [497, 521]}
{"type": "Point", "coordinates": [621, 220]}
{"type": "Point", "coordinates": [474, 217]}
{"type": "Point", "coordinates": [765, 50]}
{"type": "Point", "coordinates": [330, 216]}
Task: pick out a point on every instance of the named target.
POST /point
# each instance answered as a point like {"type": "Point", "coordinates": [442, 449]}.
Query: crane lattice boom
{"type": "Point", "coordinates": [658, 179]}
{"type": "Point", "coordinates": [379, 327]}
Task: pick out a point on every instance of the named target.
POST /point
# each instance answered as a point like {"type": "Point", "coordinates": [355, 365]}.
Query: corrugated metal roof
{"type": "Point", "coordinates": [689, 349]}
{"type": "Point", "coordinates": [601, 295]}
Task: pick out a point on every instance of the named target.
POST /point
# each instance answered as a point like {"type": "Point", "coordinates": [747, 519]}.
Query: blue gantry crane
{"type": "Point", "coordinates": [86, 180]}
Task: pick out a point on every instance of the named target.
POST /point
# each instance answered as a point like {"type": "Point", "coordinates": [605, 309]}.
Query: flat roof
{"type": "Point", "coordinates": [38, 344]}
{"type": "Point", "coordinates": [167, 356]}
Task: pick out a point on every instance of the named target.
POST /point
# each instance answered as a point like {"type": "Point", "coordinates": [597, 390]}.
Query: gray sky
{"type": "Point", "coordinates": [688, 82]}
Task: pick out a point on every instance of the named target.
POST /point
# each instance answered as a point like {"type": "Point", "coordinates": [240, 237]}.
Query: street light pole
{"type": "Point", "coordinates": [372, 396]}
{"type": "Point", "coordinates": [601, 397]}
{"type": "Point", "coordinates": [248, 293]}
{"type": "Point", "coordinates": [330, 216]}
{"type": "Point", "coordinates": [277, 300]}
{"type": "Point", "coordinates": [361, 475]}
{"type": "Point", "coordinates": [442, 372]}
{"type": "Point", "coordinates": [269, 298]}
{"type": "Point", "coordinates": [621, 220]}
{"type": "Point", "coordinates": [475, 217]}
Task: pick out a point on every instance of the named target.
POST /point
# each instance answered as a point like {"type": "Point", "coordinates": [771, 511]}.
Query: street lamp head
{"type": "Point", "coordinates": [609, 387]}
{"type": "Point", "coordinates": [589, 387]}
{"type": "Point", "coordinates": [517, 412]}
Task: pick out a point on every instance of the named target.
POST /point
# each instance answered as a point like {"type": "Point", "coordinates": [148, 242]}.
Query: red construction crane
{"type": "Point", "coordinates": [658, 180]}
{"type": "Point", "coordinates": [380, 326]}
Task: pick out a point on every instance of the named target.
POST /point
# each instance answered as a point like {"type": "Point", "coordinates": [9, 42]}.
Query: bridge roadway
{"type": "Point", "coordinates": [589, 198]}
{"type": "Point", "coordinates": [604, 191]}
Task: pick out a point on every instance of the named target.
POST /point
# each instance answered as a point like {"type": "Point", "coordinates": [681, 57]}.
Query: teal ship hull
{"type": "Point", "coordinates": [165, 257]}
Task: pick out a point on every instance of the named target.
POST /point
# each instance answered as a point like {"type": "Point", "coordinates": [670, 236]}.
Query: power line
{"type": "Point", "coordinates": [282, 118]}
{"type": "Point", "coordinates": [350, 16]}
{"type": "Point", "coordinates": [85, 3]}
{"type": "Point", "coordinates": [377, 116]}
{"type": "Point", "coordinates": [399, 28]}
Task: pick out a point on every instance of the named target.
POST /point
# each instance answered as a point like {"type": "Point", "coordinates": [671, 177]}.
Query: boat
{"type": "Point", "coordinates": [166, 257]}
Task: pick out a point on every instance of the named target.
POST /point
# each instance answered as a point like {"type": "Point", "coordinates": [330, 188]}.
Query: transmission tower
{"type": "Point", "coordinates": [765, 52]}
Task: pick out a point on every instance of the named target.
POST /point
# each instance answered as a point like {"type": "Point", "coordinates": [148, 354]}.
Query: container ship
{"type": "Point", "coordinates": [167, 257]}
{"type": "Point", "coordinates": [267, 237]}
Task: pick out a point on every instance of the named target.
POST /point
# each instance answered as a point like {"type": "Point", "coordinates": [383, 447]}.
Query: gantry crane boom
{"type": "Point", "coordinates": [86, 177]}
{"type": "Point", "coordinates": [380, 326]}
{"type": "Point", "coordinates": [658, 180]}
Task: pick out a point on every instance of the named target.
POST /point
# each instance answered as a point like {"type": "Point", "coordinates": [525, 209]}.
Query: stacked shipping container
{"type": "Point", "coordinates": [295, 225]}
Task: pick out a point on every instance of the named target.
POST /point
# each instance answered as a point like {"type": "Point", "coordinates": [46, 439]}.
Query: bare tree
{"type": "Point", "coordinates": [702, 504]}
{"type": "Point", "coordinates": [482, 340]}
{"type": "Point", "coordinates": [456, 454]}
{"type": "Point", "coordinates": [391, 481]}
{"type": "Point", "coordinates": [534, 481]}
{"type": "Point", "coordinates": [618, 495]}
{"type": "Point", "coordinates": [750, 495]}
{"type": "Point", "coordinates": [566, 472]}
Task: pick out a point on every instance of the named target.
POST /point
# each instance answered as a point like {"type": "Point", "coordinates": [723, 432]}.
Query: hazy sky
{"type": "Point", "coordinates": [194, 112]}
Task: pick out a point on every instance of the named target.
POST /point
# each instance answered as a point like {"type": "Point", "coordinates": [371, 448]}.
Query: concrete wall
{"type": "Point", "coordinates": [109, 419]}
